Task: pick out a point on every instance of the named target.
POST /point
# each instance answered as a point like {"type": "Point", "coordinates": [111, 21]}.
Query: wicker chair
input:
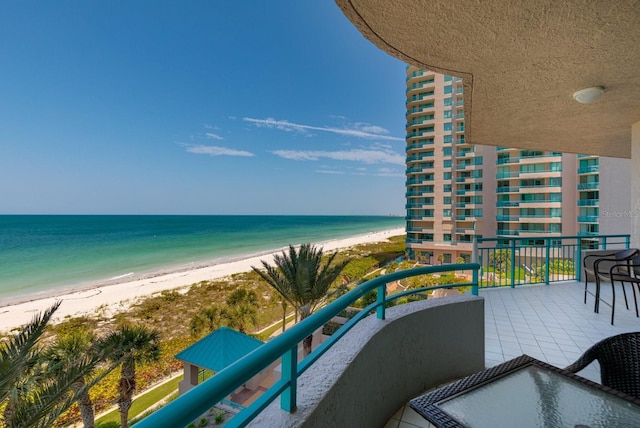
{"type": "Point", "coordinates": [619, 358]}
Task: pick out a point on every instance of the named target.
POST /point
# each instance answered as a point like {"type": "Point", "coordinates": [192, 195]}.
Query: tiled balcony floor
{"type": "Point", "coordinates": [548, 322]}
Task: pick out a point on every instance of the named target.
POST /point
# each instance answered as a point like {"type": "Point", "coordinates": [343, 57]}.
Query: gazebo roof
{"type": "Point", "coordinates": [219, 349]}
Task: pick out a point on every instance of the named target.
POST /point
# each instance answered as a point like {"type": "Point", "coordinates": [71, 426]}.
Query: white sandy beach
{"type": "Point", "coordinates": [114, 298]}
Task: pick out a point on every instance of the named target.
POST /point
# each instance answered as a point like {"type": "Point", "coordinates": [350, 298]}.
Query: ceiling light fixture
{"type": "Point", "coordinates": [588, 95]}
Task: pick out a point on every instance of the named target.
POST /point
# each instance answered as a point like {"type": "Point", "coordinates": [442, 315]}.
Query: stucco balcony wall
{"type": "Point", "coordinates": [380, 364]}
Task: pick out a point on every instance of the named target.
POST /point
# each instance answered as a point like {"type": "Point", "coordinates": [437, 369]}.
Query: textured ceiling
{"type": "Point", "coordinates": [521, 61]}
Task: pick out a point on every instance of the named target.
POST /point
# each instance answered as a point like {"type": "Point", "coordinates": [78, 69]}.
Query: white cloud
{"type": "Point", "coordinates": [329, 171]}
{"type": "Point", "coordinates": [373, 129]}
{"type": "Point", "coordinates": [356, 155]}
{"type": "Point", "coordinates": [216, 151]}
{"type": "Point", "coordinates": [368, 132]}
{"type": "Point", "coordinates": [213, 136]}
{"type": "Point", "coordinates": [388, 172]}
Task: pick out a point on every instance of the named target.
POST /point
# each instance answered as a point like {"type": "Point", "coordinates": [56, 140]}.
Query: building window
{"type": "Point", "coordinates": [447, 78]}
{"type": "Point", "coordinates": [448, 102]}
{"type": "Point", "coordinates": [447, 114]}
{"type": "Point", "coordinates": [448, 89]}
{"type": "Point", "coordinates": [447, 163]}
{"type": "Point", "coordinates": [447, 139]}
{"type": "Point", "coordinates": [447, 126]}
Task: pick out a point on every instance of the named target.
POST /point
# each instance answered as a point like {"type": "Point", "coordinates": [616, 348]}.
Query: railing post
{"type": "Point", "coordinates": [513, 262]}
{"type": "Point", "coordinates": [627, 241]}
{"type": "Point", "coordinates": [290, 374]}
{"type": "Point", "coordinates": [578, 263]}
{"type": "Point", "coordinates": [382, 289]}
{"type": "Point", "coordinates": [474, 287]}
{"type": "Point", "coordinates": [474, 259]}
{"type": "Point", "coordinates": [547, 259]}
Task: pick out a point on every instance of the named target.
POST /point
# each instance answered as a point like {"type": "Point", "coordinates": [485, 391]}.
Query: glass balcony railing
{"type": "Point", "coordinates": [588, 169]}
{"type": "Point", "coordinates": [588, 202]}
{"type": "Point", "coordinates": [587, 219]}
{"type": "Point", "coordinates": [511, 174]}
{"type": "Point", "coordinates": [588, 186]}
{"type": "Point", "coordinates": [507, 189]}
{"type": "Point", "coordinates": [507, 218]}
{"type": "Point", "coordinates": [506, 232]}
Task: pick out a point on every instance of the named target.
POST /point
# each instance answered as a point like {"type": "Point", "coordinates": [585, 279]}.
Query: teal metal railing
{"type": "Point", "coordinates": [511, 261]}
{"type": "Point", "coordinates": [190, 406]}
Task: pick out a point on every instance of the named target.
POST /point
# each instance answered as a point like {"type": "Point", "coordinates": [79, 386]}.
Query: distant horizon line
{"type": "Point", "coordinates": [208, 215]}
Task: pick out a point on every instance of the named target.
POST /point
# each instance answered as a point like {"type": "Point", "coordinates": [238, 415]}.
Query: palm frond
{"type": "Point", "coordinates": [16, 354]}
{"type": "Point", "coordinates": [54, 395]}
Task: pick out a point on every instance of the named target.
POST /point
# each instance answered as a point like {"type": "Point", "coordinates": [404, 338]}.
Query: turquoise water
{"type": "Point", "coordinates": [42, 253]}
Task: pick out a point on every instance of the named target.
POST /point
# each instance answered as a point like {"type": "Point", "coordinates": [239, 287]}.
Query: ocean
{"type": "Point", "coordinates": [48, 253]}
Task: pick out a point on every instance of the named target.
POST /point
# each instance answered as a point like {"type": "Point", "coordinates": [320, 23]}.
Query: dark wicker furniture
{"type": "Point", "coordinates": [619, 358]}
{"type": "Point", "coordinates": [601, 267]}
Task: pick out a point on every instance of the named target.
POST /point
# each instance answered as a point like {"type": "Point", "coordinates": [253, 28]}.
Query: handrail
{"type": "Point", "coordinates": [199, 400]}
{"type": "Point", "coordinates": [535, 261]}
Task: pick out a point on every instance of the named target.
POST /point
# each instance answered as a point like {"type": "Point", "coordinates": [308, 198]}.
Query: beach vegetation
{"type": "Point", "coordinates": [80, 325]}
{"type": "Point", "coordinates": [303, 279]}
{"type": "Point", "coordinates": [130, 345]}
{"type": "Point", "coordinates": [170, 312]}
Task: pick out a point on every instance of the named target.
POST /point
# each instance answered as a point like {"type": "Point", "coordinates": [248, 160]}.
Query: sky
{"type": "Point", "coordinates": [196, 107]}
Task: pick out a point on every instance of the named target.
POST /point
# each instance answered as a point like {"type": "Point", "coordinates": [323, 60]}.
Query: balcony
{"type": "Point", "coordinates": [587, 219]}
{"type": "Point", "coordinates": [588, 169]}
{"type": "Point", "coordinates": [507, 204]}
{"type": "Point", "coordinates": [359, 381]}
{"type": "Point", "coordinates": [588, 202]}
{"type": "Point", "coordinates": [588, 186]}
{"type": "Point", "coordinates": [506, 232]}
{"type": "Point", "coordinates": [511, 189]}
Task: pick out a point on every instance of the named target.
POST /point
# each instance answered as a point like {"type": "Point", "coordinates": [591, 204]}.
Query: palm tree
{"type": "Point", "coordinates": [302, 279]}
{"type": "Point", "coordinates": [131, 345]}
{"type": "Point", "coordinates": [31, 397]}
{"type": "Point", "coordinates": [207, 320]}
{"type": "Point", "coordinates": [242, 309]}
{"type": "Point", "coordinates": [242, 295]}
{"type": "Point", "coordinates": [66, 349]}
{"type": "Point", "coordinates": [240, 315]}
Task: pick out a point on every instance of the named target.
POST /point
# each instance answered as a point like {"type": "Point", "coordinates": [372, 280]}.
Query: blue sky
{"type": "Point", "coordinates": [197, 107]}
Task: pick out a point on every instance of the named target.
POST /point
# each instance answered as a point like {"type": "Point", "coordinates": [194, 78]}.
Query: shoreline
{"type": "Point", "coordinates": [110, 297]}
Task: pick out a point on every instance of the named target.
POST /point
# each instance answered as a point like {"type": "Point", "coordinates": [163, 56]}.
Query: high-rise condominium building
{"type": "Point", "coordinates": [536, 194]}
{"type": "Point", "coordinates": [447, 204]}
{"type": "Point", "coordinates": [457, 191]}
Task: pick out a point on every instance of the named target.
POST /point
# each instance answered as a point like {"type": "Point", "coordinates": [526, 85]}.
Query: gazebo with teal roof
{"type": "Point", "coordinates": [214, 352]}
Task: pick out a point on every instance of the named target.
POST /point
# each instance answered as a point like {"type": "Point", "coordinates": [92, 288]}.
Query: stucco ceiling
{"type": "Point", "coordinates": [521, 62]}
